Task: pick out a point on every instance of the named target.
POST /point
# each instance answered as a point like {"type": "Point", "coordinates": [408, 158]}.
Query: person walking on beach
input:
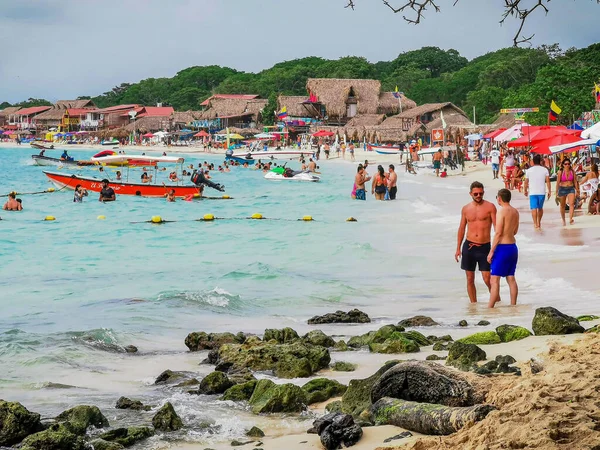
{"type": "Point", "coordinates": [537, 182]}
{"type": "Point", "coordinates": [495, 160]}
{"type": "Point", "coordinates": [359, 181]}
{"type": "Point", "coordinates": [504, 253]}
{"type": "Point", "coordinates": [567, 186]}
{"type": "Point", "coordinates": [477, 219]}
{"type": "Point", "coordinates": [437, 162]}
{"type": "Point", "coordinates": [392, 182]}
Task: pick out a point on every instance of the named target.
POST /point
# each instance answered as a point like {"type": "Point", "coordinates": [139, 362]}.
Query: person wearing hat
{"type": "Point", "coordinates": [107, 194]}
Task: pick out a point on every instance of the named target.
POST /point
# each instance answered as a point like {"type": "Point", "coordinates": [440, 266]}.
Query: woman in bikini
{"type": "Point", "coordinates": [379, 185]}
{"type": "Point", "coordinates": [566, 189]}
{"type": "Point", "coordinates": [589, 184]}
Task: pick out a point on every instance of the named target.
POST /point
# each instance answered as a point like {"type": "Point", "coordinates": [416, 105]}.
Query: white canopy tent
{"type": "Point", "coordinates": [590, 136]}
{"type": "Point", "coordinates": [513, 132]}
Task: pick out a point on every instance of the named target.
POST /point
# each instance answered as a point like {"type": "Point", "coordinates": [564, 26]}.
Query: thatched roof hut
{"type": "Point", "coordinates": [233, 107]}
{"type": "Point", "coordinates": [149, 124]}
{"type": "Point", "coordinates": [422, 119]}
{"type": "Point", "coordinates": [390, 104]}
{"type": "Point", "coordinates": [185, 117]}
{"type": "Point", "coordinates": [293, 104]}
{"type": "Point", "coordinates": [336, 93]}
{"type": "Point", "coordinates": [8, 111]}
{"type": "Point", "coordinates": [75, 104]}
{"type": "Point", "coordinates": [365, 120]}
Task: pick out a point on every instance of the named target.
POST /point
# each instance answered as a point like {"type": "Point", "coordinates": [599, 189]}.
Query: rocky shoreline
{"type": "Point", "coordinates": [421, 397]}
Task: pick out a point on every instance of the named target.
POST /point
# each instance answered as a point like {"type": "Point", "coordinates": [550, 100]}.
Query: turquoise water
{"type": "Point", "coordinates": [76, 290]}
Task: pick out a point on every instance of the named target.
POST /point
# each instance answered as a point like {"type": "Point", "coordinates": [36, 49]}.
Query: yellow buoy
{"type": "Point", "coordinates": [156, 219]}
{"type": "Point", "coordinates": [50, 218]}
{"type": "Point", "coordinates": [351, 219]}
{"type": "Point", "coordinates": [50, 189]}
{"type": "Point", "coordinates": [256, 216]}
{"type": "Point", "coordinates": [101, 217]}
{"type": "Point", "coordinates": [307, 218]}
{"type": "Point", "coordinates": [226, 196]}
{"type": "Point", "coordinates": [208, 217]}
{"type": "Point", "coordinates": [197, 195]}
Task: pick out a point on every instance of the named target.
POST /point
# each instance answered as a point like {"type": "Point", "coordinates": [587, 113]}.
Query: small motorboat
{"type": "Point", "coordinates": [41, 160]}
{"type": "Point", "coordinates": [384, 149]}
{"type": "Point", "coordinates": [281, 174]}
{"type": "Point", "coordinates": [110, 143]}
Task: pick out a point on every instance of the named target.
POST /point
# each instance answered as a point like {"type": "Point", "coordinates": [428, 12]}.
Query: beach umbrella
{"type": "Point", "coordinates": [513, 132]}
{"type": "Point", "coordinates": [592, 132]}
{"type": "Point", "coordinates": [493, 134]}
{"type": "Point", "coordinates": [148, 135]}
{"type": "Point", "coordinates": [532, 135]}
{"type": "Point", "coordinates": [264, 136]}
{"type": "Point", "coordinates": [323, 133]}
{"type": "Point", "coordinates": [236, 136]}
{"type": "Point", "coordinates": [201, 133]}
{"type": "Point", "coordinates": [474, 137]}
{"type": "Point", "coordinates": [543, 146]}
{"type": "Point", "coordinates": [8, 132]}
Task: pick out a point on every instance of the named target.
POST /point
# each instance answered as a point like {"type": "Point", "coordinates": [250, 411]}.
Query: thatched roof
{"type": "Point", "coordinates": [185, 117]}
{"type": "Point", "coordinates": [389, 135]}
{"type": "Point", "coordinates": [243, 131]}
{"type": "Point", "coordinates": [334, 92]}
{"type": "Point", "coordinates": [503, 121]}
{"type": "Point", "coordinates": [233, 107]}
{"type": "Point", "coordinates": [429, 108]}
{"type": "Point", "coordinates": [79, 104]}
{"type": "Point", "coordinates": [293, 104]}
{"type": "Point", "coordinates": [452, 120]}
{"type": "Point", "coordinates": [365, 120]}
{"type": "Point", "coordinates": [10, 110]}
{"type": "Point", "coordinates": [148, 124]}
{"type": "Point", "coordinates": [51, 114]}
{"type": "Point", "coordinates": [389, 104]}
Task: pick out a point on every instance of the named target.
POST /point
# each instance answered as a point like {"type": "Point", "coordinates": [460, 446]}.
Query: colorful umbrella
{"type": "Point", "coordinates": [202, 133]}
{"type": "Point", "coordinates": [544, 146]}
{"type": "Point", "coordinates": [513, 132]}
{"type": "Point", "coordinates": [323, 133]}
{"type": "Point", "coordinates": [148, 135]}
{"type": "Point", "coordinates": [532, 135]}
{"type": "Point", "coordinates": [493, 134]}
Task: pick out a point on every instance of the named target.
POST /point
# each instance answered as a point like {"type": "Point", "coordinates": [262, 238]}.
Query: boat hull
{"type": "Point", "coordinates": [385, 149]}
{"type": "Point", "coordinates": [304, 176]}
{"type": "Point", "coordinates": [48, 161]}
{"type": "Point", "coordinates": [63, 181]}
{"type": "Point", "coordinates": [273, 154]}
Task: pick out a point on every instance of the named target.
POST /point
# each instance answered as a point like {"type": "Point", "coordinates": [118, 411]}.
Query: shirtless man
{"type": "Point", "coordinates": [504, 254]}
{"type": "Point", "coordinates": [359, 180]}
{"type": "Point", "coordinates": [477, 218]}
{"type": "Point", "coordinates": [437, 162]}
{"type": "Point", "coordinates": [392, 181]}
{"type": "Point", "coordinates": [12, 204]}
{"type": "Point", "coordinates": [312, 166]}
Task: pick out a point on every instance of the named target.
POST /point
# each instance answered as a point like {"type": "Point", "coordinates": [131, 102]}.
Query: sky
{"type": "Point", "coordinates": [61, 49]}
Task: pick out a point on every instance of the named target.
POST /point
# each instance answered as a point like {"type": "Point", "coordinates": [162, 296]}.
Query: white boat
{"type": "Point", "coordinates": [384, 149]}
{"type": "Point", "coordinates": [256, 154]}
{"type": "Point", "coordinates": [296, 176]}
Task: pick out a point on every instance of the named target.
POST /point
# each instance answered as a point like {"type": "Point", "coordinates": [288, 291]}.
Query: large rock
{"type": "Point", "coordinates": [240, 392]}
{"type": "Point", "coordinates": [80, 418]}
{"type": "Point", "coordinates": [353, 316]}
{"type": "Point", "coordinates": [166, 419]}
{"type": "Point", "coordinates": [127, 436]}
{"type": "Point", "coordinates": [482, 338]}
{"type": "Point", "coordinates": [374, 337]}
{"type": "Point", "coordinates": [56, 437]}
{"type": "Point", "coordinates": [426, 418]}
{"type": "Point", "coordinates": [424, 381]}
{"type": "Point", "coordinates": [396, 344]}
{"type": "Point", "coordinates": [550, 321]}
{"type": "Point", "coordinates": [464, 356]}
{"type": "Point", "coordinates": [295, 360]}
{"type": "Point", "coordinates": [16, 423]}
{"type": "Point", "coordinates": [322, 389]}
{"type": "Point", "coordinates": [418, 321]}
{"type": "Point", "coordinates": [509, 333]}
{"type": "Point", "coordinates": [214, 383]}
{"type": "Point", "coordinates": [269, 397]}
{"type": "Point", "coordinates": [101, 444]}
{"type": "Point", "coordinates": [342, 366]}
{"type": "Point", "coordinates": [317, 337]}
{"type": "Point", "coordinates": [127, 403]}
{"type": "Point", "coordinates": [358, 395]}
{"type": "Point", "coordinates": [283, 336]}
{"type": "Point", "coordinates": [199, 340]}
{"type": "Point", "coordinates": [335, 429]}
{"type": "Point", "coordinates": [419, 338]}
{"type": "Point", "coordinates": [168, 376]}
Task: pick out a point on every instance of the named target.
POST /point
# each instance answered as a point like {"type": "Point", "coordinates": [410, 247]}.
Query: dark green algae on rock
{"type": "Point", "coordinates": [16, 423]}
{"type": "Point", "coordinates": [322, 389]}
{"type": "Point", "coordinates": [550, 321]}
{"type": "Point", "coordinates": [269, 397]}
{"type": "Point", "coordinates": [126, 437]}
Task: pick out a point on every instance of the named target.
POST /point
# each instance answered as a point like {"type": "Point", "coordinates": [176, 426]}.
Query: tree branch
{"type": "Point", "coordinates": [513, 9]}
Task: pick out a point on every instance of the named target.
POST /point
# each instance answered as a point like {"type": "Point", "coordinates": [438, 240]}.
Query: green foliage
{"type": "Point", "coordinates": [510, 77]}
{"type": "Point", "coordinates": [269, 111]}
{"type": "Point", "coordinates": [4, 105]}
{"type": "Point", "coordinates": [33, 102]}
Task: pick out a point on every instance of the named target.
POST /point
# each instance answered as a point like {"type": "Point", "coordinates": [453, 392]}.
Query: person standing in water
{"type": "Point", "coordinates": [359, 183]}
{"type": "Point", "coordinates": [477, 219]}
{"type": "Point", "coordinates": [504, 253]}
{"type": "Point", "coordinates": [379, 184]}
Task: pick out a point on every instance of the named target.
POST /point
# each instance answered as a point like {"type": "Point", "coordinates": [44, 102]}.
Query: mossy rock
{"type": "Point", "coordinates": [255, 432]}
{"type": "Point", "coordinates": [463, 323]}
{"type": "Point", "coordinates": [269, 397]}
{"type": "Point", "coordinates": [482, 338]}
{"type": "Point", "coordinates": [127, 403]}
{"type": "Point", "coordinates": [188, 383]}
{"type": "Point", "coordinates": [444, 338]}
{"type": "Point", "coordinates": [283, 336]}
{"type": "Point", "coordinates": [341, 366]}
{"type": "Point", "coordinates": [435, 358]}
{"type": "Point", "coordinates": [200, 340]}
{"type": "Point", "coordinates": [335, 406]}
{"type": "Point", "coordinates": [415, 336]}
{"type": "Point", "coordinates": [169, 376]}
{"type": "Point", "coordinates": [80, 418]}
{"type": "Point", "coordinates": [341, 346]}
{"type": "Point", "coordinates": [550, 321]}
{"type": "Point", "coordinates": [322, 389]}
{"type": "Point", "coordinates": [214, 383]}
{"type": "Point", "coordinates": [483, 323]}
{"type": "Point", "coordinates": [240, 392]}
{"type": "Point", "coordinates": [418, 321]}
{"type": "Point", "coordinates": [397, 343]}
{"type": "Point", "coordinates": [56, 437]}
{"type": "Point", "coordinates": [587, 318]}
{"type": "Point", "coordinates": [509, 333]}
{"type": "Point", "coordinates": [374, 337]}
{"type": "Point", "coordinates": [16, 423]}
{"type": "Point", "coordinates": [464, 356]}
{"type": "Point", "coordinates": [594, 329]}
{"type": "Point", "coordinates": [317, 337]}
{"type": "Point", "coordinates": [127, 436]}
{"type": "Point", "coordinates": [442, 346]}
{"type": "Point", "coordinates": [358, 395]}
{"type": "Point", "coordinates": [101, 444]}
{"type": "Point", "coordinates": [166, 419]}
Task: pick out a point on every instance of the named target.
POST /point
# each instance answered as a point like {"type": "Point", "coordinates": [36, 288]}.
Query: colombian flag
{"type": "Point", "coordinates": [554, 111]}
{"type": "Point", "coordinates": [396, 93]}
{"type": "Point", "coordinates": [597, 93]}
{"type": "Point", "coordinates": [283, 113]}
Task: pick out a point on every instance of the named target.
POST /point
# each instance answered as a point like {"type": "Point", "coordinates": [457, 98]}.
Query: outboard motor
{"type": "Point", "coordinates": [199, 179]}
{"type": "Point", "coordinates": [229, 153]}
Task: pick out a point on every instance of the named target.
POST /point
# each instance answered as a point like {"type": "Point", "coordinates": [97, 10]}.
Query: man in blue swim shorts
{"type": "Point", "coordinates": [504, 254]}
{"type": "Point", "coordinates": [536, 187]}
{"type": "Point", "coordinates": [359, 183]}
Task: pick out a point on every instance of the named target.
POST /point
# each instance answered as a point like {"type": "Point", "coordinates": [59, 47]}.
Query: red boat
{"type": "Point", "coordinates": [62, 180]}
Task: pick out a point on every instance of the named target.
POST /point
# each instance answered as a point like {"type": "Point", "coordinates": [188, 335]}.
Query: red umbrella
{"type": "Point", "coordinates": [533, 135]}
{"type": "Point", "coordinates": [148, 135]}
{"type": "Point", "coordinates": [493, 134]}
{"type": "Point", "coordinates": [323, 133]}
{"type": "Point", "coordinates": [202, 134]}
{"type": "Point", "coordinates": [543, 146]}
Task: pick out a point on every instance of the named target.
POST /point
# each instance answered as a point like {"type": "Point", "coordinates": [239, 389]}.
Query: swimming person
{"type": "Point", "coordinates": [392, 182]}
{"type": "Point", "coordinates": [537, 186]}
{"type": "Point", "coordinates": [107, 194]}
{"type": "Point", "coordinates": [79, 194]}
{"type": "Point", "coordinates": [504, 253]}
{"type": "Point", "coordinates": [12, 203]}
{"type": "Point", "coordinates": [170, 195]}
{"type": "Point", "coordinates": [379, 184]}
{"type": "Point", "coordinates": [359, 181]}
{"type": "Point", "coordinates": [477, 219]}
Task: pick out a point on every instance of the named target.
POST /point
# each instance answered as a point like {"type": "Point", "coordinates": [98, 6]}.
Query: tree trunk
{"type": "Point", "coordinates": [426, 418]}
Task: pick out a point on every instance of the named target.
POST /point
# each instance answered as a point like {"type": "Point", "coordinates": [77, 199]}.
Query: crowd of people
{"type": "Point", "coordinates": [384, 185]}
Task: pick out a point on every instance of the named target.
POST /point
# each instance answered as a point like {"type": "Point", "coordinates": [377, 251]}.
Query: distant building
{"type": "Point", "coordinates": [24, 118]}
{"type": "Point", "coordinates": [5, 114]}
{"type": "Point", "coordinates": [55, 117]}
{"type": "Point", "coordinates": [222, 111]}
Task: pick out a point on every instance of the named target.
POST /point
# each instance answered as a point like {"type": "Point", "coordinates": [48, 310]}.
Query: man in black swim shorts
{"type": "Point", "coordinates": [476, 220]}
